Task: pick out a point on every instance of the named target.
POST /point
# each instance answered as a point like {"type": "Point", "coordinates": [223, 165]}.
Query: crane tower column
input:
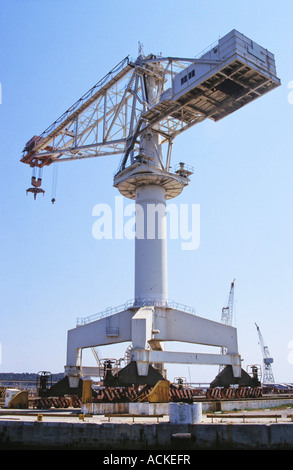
{"type": "Point", "coordinates": [150, 244]}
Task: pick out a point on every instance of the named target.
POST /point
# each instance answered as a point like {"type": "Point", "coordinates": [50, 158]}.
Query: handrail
{"type": "Point", "coordinates": [134, 303]}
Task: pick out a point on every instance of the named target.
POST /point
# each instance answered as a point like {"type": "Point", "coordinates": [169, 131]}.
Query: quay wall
{"type": "Point", "coordinates": [142, 436]}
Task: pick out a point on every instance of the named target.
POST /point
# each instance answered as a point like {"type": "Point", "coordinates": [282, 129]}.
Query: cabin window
{"type": "Point", "coordinates": [183, 79]}
{"type": "Point", "coordinates": [191, 74]}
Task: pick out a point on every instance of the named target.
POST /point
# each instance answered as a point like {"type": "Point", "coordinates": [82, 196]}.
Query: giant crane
{"type": "Point", "coordinates": [136, 111]}
{"type": "Point", "coordinates": [227, 314]}
{"type": "Point", "coordinates": [268, 377]}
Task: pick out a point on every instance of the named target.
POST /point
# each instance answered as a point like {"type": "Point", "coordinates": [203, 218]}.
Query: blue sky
{"type": "Point", "coordinates": [52, 268]}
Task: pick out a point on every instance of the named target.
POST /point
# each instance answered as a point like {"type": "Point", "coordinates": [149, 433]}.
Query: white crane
{"type": "Point", "coordinates": [136, 111]}
{"type": "Point", "coordinates": [227, 312]}
{"type": "Point", "coordinates": [268, 377]}
{"type": "Point", "coordinates": [227, 315]}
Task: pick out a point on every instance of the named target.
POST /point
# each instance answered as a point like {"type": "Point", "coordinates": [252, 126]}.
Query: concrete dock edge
{"type": "Point", "coordinates": [141, 436]}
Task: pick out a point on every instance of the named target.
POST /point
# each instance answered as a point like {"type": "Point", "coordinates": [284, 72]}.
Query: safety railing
{"type": "Point", "coordinates": [135, 303]}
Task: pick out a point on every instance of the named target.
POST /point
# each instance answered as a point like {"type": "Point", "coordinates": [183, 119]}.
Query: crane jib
{"type": "Point", "coordinates": [38, 143]}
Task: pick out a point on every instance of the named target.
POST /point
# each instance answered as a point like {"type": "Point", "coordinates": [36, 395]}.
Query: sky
{"type": "Point", "coordinates": [52, 268]}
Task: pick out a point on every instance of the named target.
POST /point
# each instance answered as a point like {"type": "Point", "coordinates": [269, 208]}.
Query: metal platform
{"type": "Point", "coordinates": [233, 73]}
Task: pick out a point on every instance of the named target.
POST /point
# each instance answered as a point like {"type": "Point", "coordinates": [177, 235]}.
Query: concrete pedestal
{"type": "Point", "coordinates": [185, 413]}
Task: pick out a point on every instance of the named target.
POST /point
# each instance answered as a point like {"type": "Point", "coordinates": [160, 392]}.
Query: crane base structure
{"type": "Point", "coordinates": [146, 328]}
{"type": "Point", "coordinates": [137, 111]}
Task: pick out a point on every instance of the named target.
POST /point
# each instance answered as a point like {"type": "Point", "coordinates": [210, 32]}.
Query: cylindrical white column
{"type": "Point", "coordinates": [150, 244]}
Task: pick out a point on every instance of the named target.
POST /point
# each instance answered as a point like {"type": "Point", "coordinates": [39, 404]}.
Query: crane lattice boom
{"type": "Point", "coordinates": [227, 312]}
